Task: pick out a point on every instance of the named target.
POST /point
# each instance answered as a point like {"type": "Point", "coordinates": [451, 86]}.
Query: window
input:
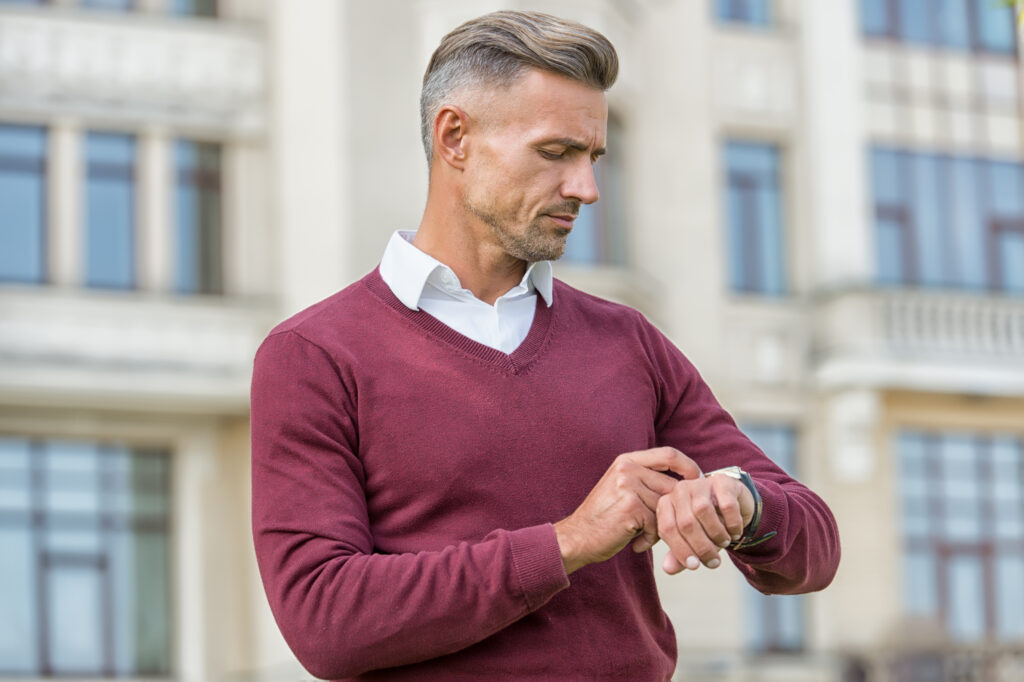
{"type": "Point", "coordinates": [986, 25]}
{"type": "Point", "coordinates": [599, 235]}
{"type": "Point", "coordinates": [948, 221]}
{"type": "Point", "coordinates": [753, 212]}
{"type": "Point", "coordinates": [198, 239]}
{"type": "Point", "coordinates": [116, 5]}
{"type": "Point", "coordinates": [758, 12]}
{"type": "Point", "coordinates": [963, 531]}
{"type": "Point", "coordinates": [194, 8]}
{"type": "Point", "coordinates": [84, 576]}
{"type": "Point", "coordinates": [776, 622]}
{"type": "Point", "coordinates": [110, 219]}
{"type": "Point", "coordinates": [22, 204]}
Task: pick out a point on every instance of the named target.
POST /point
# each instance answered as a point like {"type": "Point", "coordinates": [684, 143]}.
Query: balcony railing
{"type": "Point", "coordinates": [949, 664]}
{"type": "Point", "coordinates": [918, 339]}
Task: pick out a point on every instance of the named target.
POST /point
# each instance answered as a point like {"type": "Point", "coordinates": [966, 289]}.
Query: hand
{"type": "Point", "coordinates": [699, 518]}
{"type": "Point", "coordinates": [622, 506]}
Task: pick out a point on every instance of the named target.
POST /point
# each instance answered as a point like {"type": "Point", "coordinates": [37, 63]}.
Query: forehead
{"type": "Point", "coordinates": [541, 104]}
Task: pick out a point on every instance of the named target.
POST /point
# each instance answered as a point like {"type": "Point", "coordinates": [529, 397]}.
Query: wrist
{"type": "Point", "coordinates": [750, 536]}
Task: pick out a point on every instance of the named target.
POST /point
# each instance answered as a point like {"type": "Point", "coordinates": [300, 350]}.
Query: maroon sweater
{"type": "Point", "coordinates": [405, 479]}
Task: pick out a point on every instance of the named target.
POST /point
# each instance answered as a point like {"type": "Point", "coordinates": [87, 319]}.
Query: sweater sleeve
{"type": "Point", "coordinates": [804, 554]}
{"type": "Point", "coordinates": [344, 608]}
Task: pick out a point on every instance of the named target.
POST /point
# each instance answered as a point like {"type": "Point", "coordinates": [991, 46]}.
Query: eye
{"type": "Point", "coordinates": [551, 155]}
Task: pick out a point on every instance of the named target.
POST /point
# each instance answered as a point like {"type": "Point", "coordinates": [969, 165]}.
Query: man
{"type": "Point", "coordinates": [450, 455]}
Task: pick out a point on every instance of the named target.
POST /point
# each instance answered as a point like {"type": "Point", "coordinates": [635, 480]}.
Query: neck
{"type": "Point", "coordinates": [465, 244]}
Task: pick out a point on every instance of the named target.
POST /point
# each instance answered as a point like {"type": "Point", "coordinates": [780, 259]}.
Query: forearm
{"type": "Point", "coordinates": [344, 612]}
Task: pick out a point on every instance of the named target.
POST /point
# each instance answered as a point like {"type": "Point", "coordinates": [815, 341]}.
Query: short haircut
{"type": "Point", "coordinates": [496, 49]}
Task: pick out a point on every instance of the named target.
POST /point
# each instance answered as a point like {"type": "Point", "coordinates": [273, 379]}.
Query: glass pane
{"type": "Point", "coordinates": [890, 252]}
{"type": "Point", "coordinates": [196, 8]}
{"type": "Point", "coordinates": [772, 263]}
{"type": "Point", "coordinates": [915, 20]}
{"type": "Point", "coordinates": [15, 475]}
{"type": "Point", "coordinates": [581, 246]}
{"type": "Point", "coordinates": [995, 26]}
{"type": "Point", "coordinates": [790, 610]}
{"type": "Point", "coordinates": [1011, 260]}
{"type": "Point", "coordinates": [18, 625]}
{"type": "Point", "coordinates": [966, 225]}
{"type": "Point", "coordinates": [1006, 189]}
{"type": "Point", "coordinates": [920, 583]}
{"type": "Point", "coordinates": [966, 598]}
{"type": "Point", "coordinates": [152, 619]}
{"type": "Point", "coordinates": [121, 5]}
{"type": "Point", "coordinates": [929, 222]}
{"type": "Point", "coordinates": [874, 17]}
{"type": "Point", "coordinates": [952, 22]}
{"type": "Point", "coordinates": [887, 177]}
{"type": "Point", "coordinates": [110, 195]}
{"type": "Point", "coordinates": [746, 11]}
{"type": "Point", "coordinates": [75, 618]}
{"type": "Point", "coordinates": [198, 217]}
{"type": "Point", "coordinates": [961, 488]}
{"type": "Point", "coordinates": [22, 203]}
{"type": "Point", "coordinates": [1010, 597]}
{"type": "Point", "coordinates": [72, 475]}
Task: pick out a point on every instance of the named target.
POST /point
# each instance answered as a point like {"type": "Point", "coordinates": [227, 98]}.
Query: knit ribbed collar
{"type": "Point", "coordinates": [516, 362]}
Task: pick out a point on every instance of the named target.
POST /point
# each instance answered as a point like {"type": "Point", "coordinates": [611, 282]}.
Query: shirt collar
{"type": "Point", "coordinates": [406, 270]}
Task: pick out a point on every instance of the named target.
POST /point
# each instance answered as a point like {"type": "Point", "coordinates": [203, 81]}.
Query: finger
{"type": "Point", "coordinates": [705, 510]}
{"type": "Point", "coordinates": [726, 499]}
{"type": "Point", "coordinates": [670, 564]}
{"type": "Point", "coordinates": [668, 459]}
{"type": "Point", "coordinates": [695, 522]}
{"type": "Point", "coordinates": [668, 529]}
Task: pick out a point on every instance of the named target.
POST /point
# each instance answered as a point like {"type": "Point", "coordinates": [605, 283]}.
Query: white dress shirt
{"type": "Point", "coordinates": [422, 282]}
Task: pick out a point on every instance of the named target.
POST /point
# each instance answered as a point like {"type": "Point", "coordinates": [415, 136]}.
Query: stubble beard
{"type": "Point", "coordinates": [535, 243]}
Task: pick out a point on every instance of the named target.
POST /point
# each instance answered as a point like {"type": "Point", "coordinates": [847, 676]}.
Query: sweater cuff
{"type": "Point", "coordinates": [537, 561]}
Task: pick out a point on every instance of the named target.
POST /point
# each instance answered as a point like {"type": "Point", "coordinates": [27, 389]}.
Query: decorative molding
{"type": "Point", "coordinates": [124, 350]}
{"type": "Point", "coordinates": [133, 70]}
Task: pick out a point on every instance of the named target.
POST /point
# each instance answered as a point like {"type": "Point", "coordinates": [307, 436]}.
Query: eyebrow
{"type": "Point", "coordinates": [574, 144]}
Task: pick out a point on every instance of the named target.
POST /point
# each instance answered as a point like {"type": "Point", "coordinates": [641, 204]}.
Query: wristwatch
{"type": "Point", "coordinates": [749, 537]}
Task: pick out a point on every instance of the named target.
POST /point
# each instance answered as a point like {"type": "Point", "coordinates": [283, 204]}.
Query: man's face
{"type": "Point", "coordinates": [530, 162]}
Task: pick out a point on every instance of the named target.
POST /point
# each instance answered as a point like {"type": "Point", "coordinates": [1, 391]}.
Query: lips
{"type": "Point", "coordinates": [563, 220]}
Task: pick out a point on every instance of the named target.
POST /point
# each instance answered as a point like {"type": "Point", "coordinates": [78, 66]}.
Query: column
{"type": "Point", "coordinates": [308, 132]}
{"type": "Point", "coordinates": [66, 176]}
{"type": "Point", "coordinates": [831, 65]}
{"type": "Point", "coordinates": [154, 226]}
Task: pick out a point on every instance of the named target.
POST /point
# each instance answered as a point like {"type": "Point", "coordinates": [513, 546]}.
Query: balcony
{"type": "Point", "coordinates": [133, 70]}
{"type": "Point", "coordinates": [126, 351]}
{"type": "Point", "coordinates": [943, 341]}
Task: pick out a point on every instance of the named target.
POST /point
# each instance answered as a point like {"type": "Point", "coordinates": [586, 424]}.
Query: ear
{"type": "Point", "coordinates": [449, 133]}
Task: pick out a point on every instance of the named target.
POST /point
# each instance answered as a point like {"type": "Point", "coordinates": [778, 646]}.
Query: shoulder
{"type": "Point", "coordinates": [598, 310]}
{"type": "Point", "coordinates": [332, 315]}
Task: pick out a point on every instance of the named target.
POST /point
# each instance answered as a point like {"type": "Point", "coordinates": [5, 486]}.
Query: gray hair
{"type": "Point", "coordinates": [497, 48]}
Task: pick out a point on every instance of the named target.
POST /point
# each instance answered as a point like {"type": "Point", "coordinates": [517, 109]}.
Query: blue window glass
{"type": "Point", "coordinates": [987, 25]}
{"type": "Point", "coordinates": [198, 239]}
{"type": "Point", "coordinates": [776, 623]}
{"type": "Point", "coordinates": [114, 5]}
{"type": "Point", "coordinates": [22, 203]}
{"type": "Point", "coordinates": [599, 235]}
{"type": "Point", "coordinates": [194, 8]}
{"type": "Point", "coordinates": [963, 529]}
{"type": "Point", "coordinates": [756, 246]}
{"type": "Point", "coordinates": [757, 12]}
{"type": "Point", "coordinates": [110, 214]}
{"type": "Point", "coordinates": [84, 581]}
{"type": "Point", "coordinates": [948, 221]}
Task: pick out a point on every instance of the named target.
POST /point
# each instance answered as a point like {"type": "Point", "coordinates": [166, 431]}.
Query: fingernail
{"type": "Point", "coordinates": [714, 563]}
{"type": "Point", "coordinates": [692, 563]}
{"type": "Point", "coordinates": [725, 543]}
{"type": "Point", "coordinates": [736, 537]}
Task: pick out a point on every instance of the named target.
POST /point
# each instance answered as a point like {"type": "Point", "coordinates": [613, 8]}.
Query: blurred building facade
{"type": "Point", "coordinates": [821, 203]}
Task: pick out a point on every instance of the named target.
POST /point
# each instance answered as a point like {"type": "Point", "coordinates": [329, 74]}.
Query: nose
{"type": "Point", "coordinates": [581, 184]}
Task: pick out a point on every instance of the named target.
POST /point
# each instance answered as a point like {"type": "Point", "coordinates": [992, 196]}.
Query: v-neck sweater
{"type": "Point", "coordinates": [405, 479]}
